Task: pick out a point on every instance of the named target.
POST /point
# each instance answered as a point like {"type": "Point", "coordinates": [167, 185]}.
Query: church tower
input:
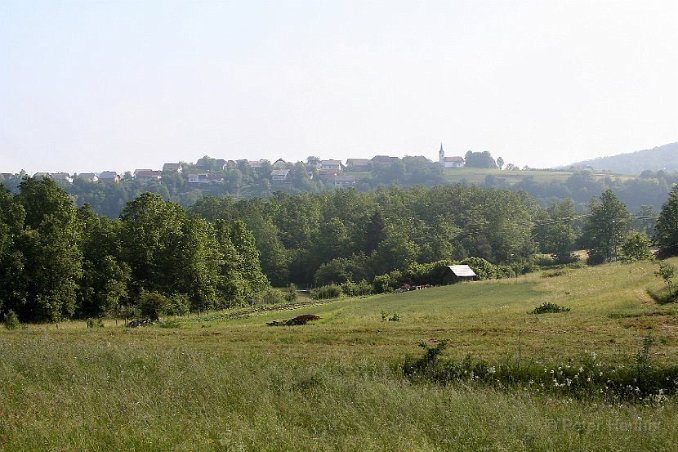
{"type": "Point", "coordinates": [441, 155]}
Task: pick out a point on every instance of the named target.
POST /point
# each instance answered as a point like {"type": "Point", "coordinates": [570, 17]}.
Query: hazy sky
{"type": "Point", "coordinates": [98, 85]}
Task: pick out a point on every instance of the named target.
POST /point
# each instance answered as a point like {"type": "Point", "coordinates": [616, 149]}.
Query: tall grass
{"type": "Point", "coordinates": [226, 381]}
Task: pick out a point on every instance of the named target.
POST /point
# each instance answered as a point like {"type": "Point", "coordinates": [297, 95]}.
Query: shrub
{"type": "Point", "coordinates": [482, 268]}
{"type": "Point", "coordinates": [385, 316]}
{"type": "Point", "coordinates": [547, 308]}
{"type": "Point", "coordinates": [326, 292]}
{"type": "Point", "coordinates": [636, 247]}
{"type": "Point", "coordinates": [554, 273]}
{"type": "Point", "coordinates": [585, 378]}
{"type": "Point", "coordinates": [11, 320]}
{"type": "Point", "coordinates": [291, 293]}
{"type": "Point", "coordinates": [92, 323]}
{"type": "Point", "coordinates": [178, 304]}
{"type": "Point", "coordinates": [269, 296]}
{"type": "Point", "coordinates": [352, 289]}
{"type": "Point", "coordinates": [381, 284]}
{"type": "Point", "coordinates": [152, 304]}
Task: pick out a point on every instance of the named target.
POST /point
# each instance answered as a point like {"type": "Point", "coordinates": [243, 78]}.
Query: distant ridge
{"type": "Point", "coordinates": [660, 158]}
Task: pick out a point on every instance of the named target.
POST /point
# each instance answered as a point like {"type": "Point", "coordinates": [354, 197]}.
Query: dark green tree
{"type": "Point", "coordinates": [554, 230]}
{"type": "Point", "coordinates": [636, 247]}
{"type": "Point", "coordinates": [151, 231]}
{"type": "Point", "coordinates": [48, 253]}
{"type": "Point", "coordinates": [105, 277]}
{"type": "Point", "coordinates": [666, 233]}
{"type": "Point", "coordinates": [606, 227]}
{"type": "Point", "coordinates": [479, 160]}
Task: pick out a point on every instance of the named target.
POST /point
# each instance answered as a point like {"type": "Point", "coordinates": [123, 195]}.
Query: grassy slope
{"type": "Point", "coordinates": [238, 384]}
{"type": "Point", "coordinates": [478, 175]}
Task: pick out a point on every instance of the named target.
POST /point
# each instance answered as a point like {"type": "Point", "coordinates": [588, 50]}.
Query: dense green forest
{"type": "Point", "coordinates": [60, 261]}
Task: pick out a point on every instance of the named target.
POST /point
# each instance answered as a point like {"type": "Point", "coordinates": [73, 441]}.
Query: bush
{"type": "Point", "coordinates": [584, 378]}
{"type": "Point", "coordinates": [178, 304]}
{"type": "Point", "coordinates": [636, 247]}
{"type": "Point", "coordinates": [326, 292]}
{"type": "Point", "coordinates": [352, 289]}
{"type": "Point", "coordinates": [95, 323]}
{"type": "Point", "coordinates": [595, 258]}
{"type": "Point", "coordinates": [291, 293]}
{"type": "Point", "coordinates": [548, 308]}
{"type": "Point", "coordinates": [381, 284]}
{"type": "Point", "coordinates": [482, 268]}
{"type": "Point", "coordinates": [152, 304]}
{"type": "Point", "coordinates": [11, 320]}
{"type": "Point", "coordinates": [269, 296]}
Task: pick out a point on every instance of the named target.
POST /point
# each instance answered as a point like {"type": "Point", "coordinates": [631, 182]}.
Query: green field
{"type": "Point", "coordinates": [478, 175]}
{"type": "Point", "coordinates": [226, 381]}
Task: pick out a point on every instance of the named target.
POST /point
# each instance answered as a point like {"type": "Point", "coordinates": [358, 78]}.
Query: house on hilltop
{"type": "Point", "coordinates": [383, 160]}
{"type": "Point", "coordinates": [279, 164]}
{"type": "Point", "coordinates": [358, 165]}
{"type": "Point", "coordinates": [456, 161]}
{"type": "Point", "coordinates": [172, 168]}
{"type": "Point", "coordinates": [330, 165]}
{"type": "Point", "coordinates": [280, 175]}
{"type": "Point", "coordinates": [109, 176]}
{"type": "Point", "coordinates": [147, 174]}
{"type": "Point", "coordinates": [89, 177]}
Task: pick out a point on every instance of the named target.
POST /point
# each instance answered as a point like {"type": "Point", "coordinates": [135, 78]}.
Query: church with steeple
{"type": "Point", "coordinates": [449, 162]}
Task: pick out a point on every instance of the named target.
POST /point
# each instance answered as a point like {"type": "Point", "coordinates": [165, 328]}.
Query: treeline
{"type": "Point", "coordinates": [315, 239]}
{"type": "Point", "coordinates": [647, 191]}
{"type": "Point", "coordinates": [58, 261]}
{"type": "Point", "coordinates": [319, 239]}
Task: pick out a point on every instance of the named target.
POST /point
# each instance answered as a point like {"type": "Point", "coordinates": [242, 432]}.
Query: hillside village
{"type": "Point", "coordinates": [207, 170]}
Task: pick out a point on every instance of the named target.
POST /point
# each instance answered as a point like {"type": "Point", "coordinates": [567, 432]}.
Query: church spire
{"type": "Point", "coordinates": [441, 154]}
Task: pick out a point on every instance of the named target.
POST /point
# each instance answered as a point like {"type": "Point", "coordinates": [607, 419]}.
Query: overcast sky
{"type": "Point", "coordinates": [98, 85]}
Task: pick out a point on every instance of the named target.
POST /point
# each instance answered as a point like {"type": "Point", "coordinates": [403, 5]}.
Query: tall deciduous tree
{"type": "Point", "coordinates": [151, 231]}
{"type": "Point", "coordinates": [666, 231]}
{"type": "Point", "coordinates": [105, 277]}
{"type": "Point", "coordinates": [48, 249]}
{"type": "Point", "coordinates": [554, 231]}
{"type": "Point", "coordinates": [606, 228]}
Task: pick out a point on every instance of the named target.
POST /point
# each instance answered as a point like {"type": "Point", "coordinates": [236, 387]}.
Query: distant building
{"type": "Point", "coordinates": [109, 176]}
{"type": "Point", "coordinates": [204, 178]}
{"type": "Point", "coordinates": [358, 165]}
{"type": "Point", "coordinates": [345, 180]}
{"type": "Point", "coordinates": [60, 177]}
{"type": "Point", "coordinates": [256, 164]}
{"type": "Point", "coordinates": [279, 164]}
{"type": "Point", "coordinates": [280, 175]}
{"type": "Point", "coordinates": [460, 273]}
{"type": "Point", "coordinates": [449, 162]}
{"type": "Point", "coordinates": [147, 174]}
{"type": "Point", "coordinates": [172, 167]}
{"type": "Point", "coordinates": [89, 177]}
{"type": "Point", "coordinates": [330, 165]}
{"type": "Point", "coordinates": [382, 160]}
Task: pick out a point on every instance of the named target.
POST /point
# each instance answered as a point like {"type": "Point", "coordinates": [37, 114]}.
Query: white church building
{"type": "Point", "coordinates": [449, 162]}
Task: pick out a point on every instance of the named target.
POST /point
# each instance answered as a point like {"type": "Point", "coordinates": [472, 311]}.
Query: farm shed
{"type": "Point", "coordinates": [460, 273]}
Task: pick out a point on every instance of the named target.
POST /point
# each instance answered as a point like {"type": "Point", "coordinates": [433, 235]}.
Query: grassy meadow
{"type": "Point", "coordinates": [226, 381]}
{"type": "Point", "coordinates": [478, 175]}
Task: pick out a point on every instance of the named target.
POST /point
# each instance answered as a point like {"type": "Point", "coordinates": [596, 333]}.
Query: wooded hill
{"type": "Point", "coordinates": [662, 158]}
